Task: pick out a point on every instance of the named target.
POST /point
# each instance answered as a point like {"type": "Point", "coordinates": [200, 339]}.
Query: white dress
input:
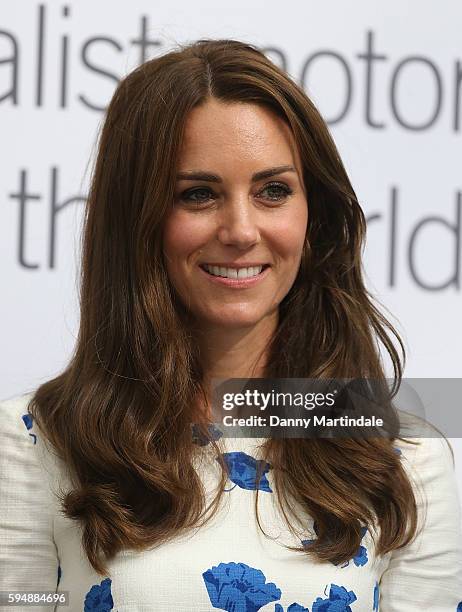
{"type": "Point", "coordinates": [228, 564]}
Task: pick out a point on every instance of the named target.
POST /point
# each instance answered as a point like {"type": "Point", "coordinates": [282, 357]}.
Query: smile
{"type": "Point", "coordinates": [234, 272]}
{"type": "Point", "coordinates": [235, 277]}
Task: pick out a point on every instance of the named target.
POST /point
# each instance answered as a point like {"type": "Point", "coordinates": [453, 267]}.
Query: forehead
{"type": "Point", "coordinates": [224, 133]}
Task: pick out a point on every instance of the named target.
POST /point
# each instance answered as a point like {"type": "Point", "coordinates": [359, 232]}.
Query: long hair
{"type": "Point", "coordinates": [120, 413]}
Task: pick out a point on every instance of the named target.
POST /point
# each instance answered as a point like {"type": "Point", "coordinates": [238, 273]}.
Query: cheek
{"type": "Point", "coordinates": [289, 232]}
{"type": "Point", "coordinates": [182, 236]}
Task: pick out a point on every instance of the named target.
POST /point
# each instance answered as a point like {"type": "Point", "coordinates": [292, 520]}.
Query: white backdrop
{"type": "Point", "coordinates": [387, 76]}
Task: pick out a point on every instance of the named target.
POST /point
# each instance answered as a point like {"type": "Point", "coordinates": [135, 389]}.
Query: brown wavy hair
{"type": "Point", "coordinates": [120, 413]}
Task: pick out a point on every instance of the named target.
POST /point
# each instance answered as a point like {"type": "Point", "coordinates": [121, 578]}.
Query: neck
{"type": "Point", "coordinates": [235, 352]}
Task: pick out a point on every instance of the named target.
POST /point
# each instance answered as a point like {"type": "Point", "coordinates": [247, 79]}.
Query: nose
{"type": "Point", "coordinates": [238, 224]}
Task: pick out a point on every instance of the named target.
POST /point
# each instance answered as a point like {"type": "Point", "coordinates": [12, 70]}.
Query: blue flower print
{"type": "Point", "coordinates": [59, 574]}
{"type": "Point", "coordinates": [295, 607]}
{"type": "Point", "coordinates": [242, 470]}
{"type": "Point", "coordinates": [338, 601]}
{"type": "Point", "coordinates": [376, 597]}
{"type": "Point", "coordinates": [360, 557]}
{"type": "Point", "coordinates": [99, 597]}
{"type": "Point", "coordinates": [28, 422]}
{"type": "Point", "coordinates": [199, 438]}
{"type": "Point", "coordinates": [236, 587]}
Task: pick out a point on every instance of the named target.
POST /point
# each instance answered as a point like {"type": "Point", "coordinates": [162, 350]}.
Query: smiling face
{"type": "Point", "coordinates": [239, 203]}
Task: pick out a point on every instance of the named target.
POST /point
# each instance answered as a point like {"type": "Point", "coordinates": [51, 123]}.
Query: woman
{"type": "Point", "coordinates": [222, 240]}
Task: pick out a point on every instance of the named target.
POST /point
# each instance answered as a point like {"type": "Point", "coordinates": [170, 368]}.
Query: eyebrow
{"type": "Point", "coordinates": [198, 175]}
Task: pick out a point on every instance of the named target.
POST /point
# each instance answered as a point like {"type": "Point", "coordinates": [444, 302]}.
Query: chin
{"type": "Point", "coordinates": [234, 320]}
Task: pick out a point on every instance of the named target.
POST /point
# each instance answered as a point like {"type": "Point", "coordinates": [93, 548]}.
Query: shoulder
{"type": "Point", "coordinates": [431, 451]}
{"type": "Point", "coordinates": [20, 444]}
{"type": "Point", "coordinates": [428, 457]}
{"type": "Point", "coordinates": [25, 457]}
{"type": "Point", "coordinates": [22, 475]}
{"type": "Point", "coordinates": [430, 467]}
{"type": "Point", "coordinates": [15, 421]}
{"type": "Point", "coordinates": [424, 449]}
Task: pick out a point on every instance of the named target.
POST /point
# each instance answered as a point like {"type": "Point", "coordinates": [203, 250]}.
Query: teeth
{"type": "Point", "coordinates": [233, 272]}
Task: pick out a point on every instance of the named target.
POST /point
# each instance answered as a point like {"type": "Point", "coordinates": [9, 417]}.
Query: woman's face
{"type": "Point", "coordinates": [228, 218]}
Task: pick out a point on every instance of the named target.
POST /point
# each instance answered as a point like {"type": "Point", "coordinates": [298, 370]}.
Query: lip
{"type": "Point", "coordinates": [237, 283]}
{"type": "Point", "coordinates": [238, 266]}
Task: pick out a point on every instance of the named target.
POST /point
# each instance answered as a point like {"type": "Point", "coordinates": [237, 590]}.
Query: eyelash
{"type": "Point", "coordinates": [184, 196]}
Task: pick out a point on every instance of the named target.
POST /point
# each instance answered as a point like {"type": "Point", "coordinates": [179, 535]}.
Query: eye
{"type": "Point", "coordinates": [190, 195]}
{"type": "Point", "coordinates": [200, 195]}
{"type": "Point", "coordinates": [278, 191]}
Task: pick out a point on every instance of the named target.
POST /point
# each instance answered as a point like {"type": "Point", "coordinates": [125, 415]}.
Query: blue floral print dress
{"type": "Point", "coordinates": [228, 564]}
